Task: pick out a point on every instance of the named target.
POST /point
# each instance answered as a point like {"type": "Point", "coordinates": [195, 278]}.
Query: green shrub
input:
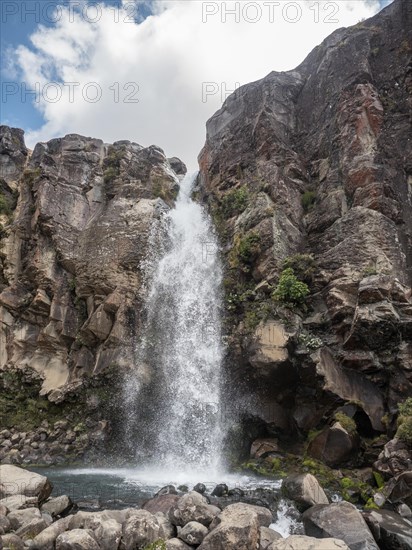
{"type": "Point", "coordinates": [161, 190]}
{"type": "Point", "coordinates": [109, 174]}
{"type": "Point", "coordinates": [249, 247]}
{"type": "Point", "coordinates": [157, 545]}
{"type": "Point", "coordinates": [4, 205]}
{"type": "Point", "coordinates": [353, 490]}
{"type": "Point", "coordinates": [404, 432]}
{"type": "Point", "coordinates": [114, 157]}
{"type": "Point", "coordinates": [308, 199]}
{"type": "Point", "coordinates": [235, 201]}
{"type": "Point", "coordinates": [112, 164]}
{"type": "Point", "coordinates": [405, 408]}
{"type": "Point", "coordinates": [370, 270]}
{"type": "Point", "coordinates": [310, 341]}
{"type": "Point", "coordinates": [246, 248]}
{"type": "Point", "coordinates": [303, 265]}
{"type": "Point", "coordinates": [346, 422]}
{"type": "Point", "coordinates": [290, 290]}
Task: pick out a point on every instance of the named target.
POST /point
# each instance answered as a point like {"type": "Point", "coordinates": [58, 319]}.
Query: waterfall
{"type": "Point", "coordinates": [181, 344]}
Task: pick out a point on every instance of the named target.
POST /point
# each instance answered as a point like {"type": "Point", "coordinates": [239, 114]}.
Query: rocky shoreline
{"type": "Point", "coordinates": [174, 520]}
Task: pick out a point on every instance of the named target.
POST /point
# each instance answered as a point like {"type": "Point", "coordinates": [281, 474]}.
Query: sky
{"type": "Point", "coordinates": [154, 71]}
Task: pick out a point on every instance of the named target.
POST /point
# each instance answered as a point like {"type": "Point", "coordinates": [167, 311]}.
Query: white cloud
{"type": "Point", "coordinates": [169, 56]}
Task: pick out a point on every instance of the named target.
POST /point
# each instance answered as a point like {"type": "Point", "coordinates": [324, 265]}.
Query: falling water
{"type": "Point", "coordinates": [182, 342]}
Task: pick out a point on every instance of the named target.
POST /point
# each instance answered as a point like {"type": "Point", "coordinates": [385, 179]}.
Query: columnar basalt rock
{"type": "Point", "coordinates": [314, 165]}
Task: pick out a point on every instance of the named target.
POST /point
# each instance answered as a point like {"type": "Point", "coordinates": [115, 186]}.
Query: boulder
{"type": "Point", "coordinates": [4, 525]}
{"type": "Point", "coordinates": [200, 488]}
{"type": "Point", "coordinates": [177, 544]}
{"type": "Point", "coordinates": [267, 536]}
{"type": "Point", "coordinates": [305, 490]}
{"type": "Point", "coordinates": [18, 502]}
{"type": "Point", "coordinates": [193, 533]}
{"type": "Point", "coordinates": [192, 507]}
{"type": "Point", "coordinates": [31, 529]}
{"type": "Point", "coordinates": [237, 528]}
{"type": "Point", "coordinates": [333, 446]}
{"type": "Point", "coordinates": [57, 506]}
{"type": "Point", "coordinates": [231, 512]}
{"type": "Point", "coordinates": [18, 518]}
{"type": "Point", "coordinates": [108, 534]}
{"type": "Point", "coordinates": [3, 510]}
{"type": "Point", "coordinates": [220, 490]}
{"type": "Point", "coordinates": [90, 520]}
{"type": "Point", "coordinates": [399, 488]}
{"type": "Point", "coordinates": [339, 520]}
{"type": "Point", "coordinates": [16, 481]}
{"type": "Point", "coordinates": [12, 542]}
{"type": "Point", "coordinates": [240, 534]}
{"type": "Point", "coordinates": [162, 503]}
{"type": "Point", "coordinates": [166, 529]}
{"type": "Point", "coordinates": [166, 490]}
{"type": "Point", "coordinates": [302, 542]}
{"type": "Point", "coordinates": [77, 539]}
{"type": "Point", "coordinates": [47, 538]}
{"type": "Point", "coordinates": [390, 530]}
{"type": "Point", "coordinates": [140, 529]}
{"type": "Point", "coordinates": [263, 447]}
{"type": "Point", "coordinates": [404, 511]}
{"type": "Point", "coordinates": [394, 459]}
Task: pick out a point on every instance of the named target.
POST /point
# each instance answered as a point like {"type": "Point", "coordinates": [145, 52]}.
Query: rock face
{"type": "Point", "coordinates": [75, 215]}
{"type": "Point", "coordinates": [311, 170]}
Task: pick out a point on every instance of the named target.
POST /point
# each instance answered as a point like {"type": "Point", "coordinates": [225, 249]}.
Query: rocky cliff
{"type": "Point", "coordinates": [75, 219]}
{"type": "Point", "coordinates": [310, 171]}
{"type": "Point", "coordinates": [308, 177]}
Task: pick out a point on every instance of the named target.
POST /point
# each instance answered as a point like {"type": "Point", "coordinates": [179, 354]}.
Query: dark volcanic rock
{"type": "Point", "coordinates": [316, 161]}
{"type": "Point", "coordinates": [390, 530]}
{"type": "Point", "coordinates": [333, 446]}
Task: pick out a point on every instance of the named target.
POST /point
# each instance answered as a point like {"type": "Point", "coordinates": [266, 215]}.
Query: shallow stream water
{"type": "Point", "coordinates": [100, 488]}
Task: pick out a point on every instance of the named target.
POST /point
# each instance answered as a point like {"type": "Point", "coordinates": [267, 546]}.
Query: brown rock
{"type": "Point", "coordinates": [333, 446]}
{"type": "Point", "coordinates": [263, 447]}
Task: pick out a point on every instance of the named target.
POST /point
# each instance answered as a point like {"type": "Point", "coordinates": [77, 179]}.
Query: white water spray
{"type": "Point", "coordinates": [182, 341]}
